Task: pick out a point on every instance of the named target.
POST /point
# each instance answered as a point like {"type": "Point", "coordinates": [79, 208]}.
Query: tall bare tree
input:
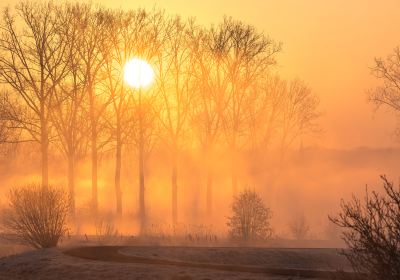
{"type": "Point", "coordinates": [299, 113]}
{"type": "Point", "coordinates": [207, 102]}
{"type": "Point", "coordinates": [113, 72]}
{"type": "Point", "coordinates": [139, 34]}
{"type": "Point", "coordinates": [268, 95]}
{"type": "Point", "coordinates": [245, 54]}
{"type": "Point", "coordinates": [388, 93]}
{"type": "Point", "coordinates": [11, 133]}
{"type": "Point", "coordinates": [95, 30]}
{"type": "Point", "coordinates": [68, 109]}
{"type": "Point", "coordinates": [174, 82]}
{"type": "Point", "coordinates": [31, 64]}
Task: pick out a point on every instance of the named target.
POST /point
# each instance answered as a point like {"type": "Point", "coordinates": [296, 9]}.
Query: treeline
{"type": "Point", "coordinates": [215, 90]}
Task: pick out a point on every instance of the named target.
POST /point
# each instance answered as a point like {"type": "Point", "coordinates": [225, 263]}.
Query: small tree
{"type": "Point", "coordinates": [372, 232]}
{"type": "Point", "coordinates": [299, 228]}
{"type": "Point", "coordinates": [250, 219]}
{"type": "Point", "coordinates": [37, 215]}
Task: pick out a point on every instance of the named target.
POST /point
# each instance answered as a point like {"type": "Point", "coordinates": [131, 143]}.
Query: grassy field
{"type": "Point", "coordinates": [167, 262]}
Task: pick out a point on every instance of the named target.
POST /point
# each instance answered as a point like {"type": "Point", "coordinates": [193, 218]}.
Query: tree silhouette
{"type": "Point", "coordinates": [250, 218]}
{"type": "Point", "coordinates": [245, 55]}
{"type": "Point", "coordinates": [372, 232]}
{"type": "Point", "coordinates": [388, 93]}
{"type": "Point", "coordinates": [216, 98]}
{"type": "Point", "coordinates": [68, 110]}
{"type": "Point", "coordinates": [174, 84]}
{"type": "Point", "coordinates": [31, 64]}
{"type": "Point", "coordinates": [95, 26]}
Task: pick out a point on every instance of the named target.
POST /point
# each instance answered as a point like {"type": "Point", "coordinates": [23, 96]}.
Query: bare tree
{"type": "Point", "coordinates": [299, 228]}
{"type": "Point", "coordinates": [68, 111]}
{"type": "Point", "coordinates": [174, 83]}
{"type": "Point", "coordinates": [139, 34]}
{"type": "Point", "coordinates": [95, 30]}
{"type": "Point", "coordinates": [31, 63]}
{"type": "Point", "coordinates": [124, 24]}
{"type": "Point", "coordinates": [372, 232]}
{"type": "Point", "coordinates": [11, 132]}
{"type": "Point", "coordinates": [264, 112]}
{"type": "Point", "coordinates": [388, 93]}
{"type": "Point", "coordinates": [250, 218]}
{"type": "Point", "coordinates": [207, 102]}
{"type": "Point", "coordinates": [298, 113]}
{"type": "Point", "coordinates": [246, 54]}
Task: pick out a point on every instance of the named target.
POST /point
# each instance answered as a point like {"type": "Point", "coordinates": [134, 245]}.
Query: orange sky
{"type": "Point", "coordinates": [329, 44]}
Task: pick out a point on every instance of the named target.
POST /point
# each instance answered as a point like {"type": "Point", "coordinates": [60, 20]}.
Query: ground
{"type": "Point", "coordinates": [163, 262]}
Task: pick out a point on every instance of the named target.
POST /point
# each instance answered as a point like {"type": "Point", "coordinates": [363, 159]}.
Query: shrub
{"type": "Point", "coordinates": [372, 232]}
{"type": "Point", "coordinates": [37, 215]}
{"type": "Point", "coordinates": [250, 219]}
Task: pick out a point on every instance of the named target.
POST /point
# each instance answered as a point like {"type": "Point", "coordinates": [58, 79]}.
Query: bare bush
{"type": "Point", "coordinates": [299, 228]}
{"type": "Point", "coordinates": [250, 219]}
{"type": "Point", "coordinates": [37, 215]}
{"type": "Point", "coordinates": [372, 232]}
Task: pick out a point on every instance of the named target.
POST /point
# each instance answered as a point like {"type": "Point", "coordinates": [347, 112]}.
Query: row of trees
{"type": "Point", "coordinates": [61, 66]}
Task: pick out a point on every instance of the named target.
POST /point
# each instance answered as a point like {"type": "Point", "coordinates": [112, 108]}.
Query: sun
{"type": "Point", "coordinates": [138, 73]}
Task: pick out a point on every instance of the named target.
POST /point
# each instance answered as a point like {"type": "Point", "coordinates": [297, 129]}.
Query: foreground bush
{"type": "Point", "coordinates": [37, 215]}
{"type": "Point", "coordinates": [372, 232]}
{"type": "Point", "coordinates": [250, 218]}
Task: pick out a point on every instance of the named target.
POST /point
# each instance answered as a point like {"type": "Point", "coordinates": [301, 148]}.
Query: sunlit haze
{"type": "Point", "coordinates": [174, 133]}
{"type": "Point", "coordinates": [329, 44]}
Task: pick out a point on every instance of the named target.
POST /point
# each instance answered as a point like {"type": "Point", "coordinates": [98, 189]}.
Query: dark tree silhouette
{"type": "Point", "coordinates": [95, 28]}
{"type": "Point", "coordinates": [250, 218]}
{"type": "Point", "coordinates": [388, 93]}
{"type": "Point", "coordinates": [68, 110]}
{"type": "Point", "coordinates": [372, 232]}
{"type": "Point", "coordinates": [31, 64]}
{"type": "Point", "coordinates": [207, 103]}
{"type": "Point", "coordinates": [37, 215]}
{"type": "Point", "coordinates": [147, 42]}
{"type": "Point", "coordinates": [175, 81]}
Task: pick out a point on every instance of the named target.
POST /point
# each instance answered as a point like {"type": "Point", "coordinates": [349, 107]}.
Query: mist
{"type": "Point", "coordinates": [310, 183]}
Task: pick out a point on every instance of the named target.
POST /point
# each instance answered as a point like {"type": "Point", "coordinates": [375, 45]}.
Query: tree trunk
{"type": "Point", "coordinates": [71, 183]}
{"type": "Point", "coordinates": [93, 141]}
{"type": "Point", "coordinates": [209, 192]}
{"type": "Point", "coordinates": [142, 208]}
{"type": "Point", "coordinates": [174, 181]}
{"type": "Point", "coordinates": [45, 163]}
{"type": "Point", "coordinates": [234, 175]}
{"type": "Point", "coordinates": [44, 148]}
{"type": "Point", "coordinates": [118, 192]}
{"type": "Point", "coordinates": [209, 181]}
{"type": "Point", "coordinates": [94, 173]}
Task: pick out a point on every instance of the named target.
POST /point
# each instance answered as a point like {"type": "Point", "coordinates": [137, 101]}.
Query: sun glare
{"type": "Point", "coordinates": [138, 73]}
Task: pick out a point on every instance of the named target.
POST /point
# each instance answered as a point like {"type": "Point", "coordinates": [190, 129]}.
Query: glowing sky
{"type": "Point", "coordinates": [329, 44]}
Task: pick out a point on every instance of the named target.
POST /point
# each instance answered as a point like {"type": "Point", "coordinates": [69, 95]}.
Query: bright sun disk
{"type": "Point", "coordinates": [138, 73]}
